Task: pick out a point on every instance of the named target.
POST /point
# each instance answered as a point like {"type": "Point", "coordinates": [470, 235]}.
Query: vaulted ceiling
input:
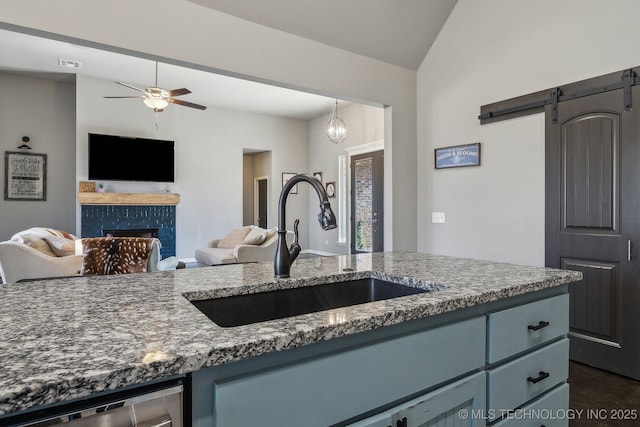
{"type": "Point", "coordinates": [399, 32]}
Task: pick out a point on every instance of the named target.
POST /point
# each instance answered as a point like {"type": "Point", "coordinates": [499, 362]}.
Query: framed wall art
{"type": "Point", "coordinates": [457, 156]}
{"type": "Point", "coordinates": [286, 176]}
{"type": "Point", "coordinates": [25, 176]}
{"type": "Point", "coordinates": [331, 189]}
{"type": "Point", "coordinates": [318, 176]}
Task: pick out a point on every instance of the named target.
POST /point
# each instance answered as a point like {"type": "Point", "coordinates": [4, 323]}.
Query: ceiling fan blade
{"type": "Point", "coordinates": [178, 92]}
{"type": "Point", "coordinates": [124, 97]}
{"type": "Point", "coordinates": [186, 104]}
{"type": "Point", "coordinates": [132, 87]}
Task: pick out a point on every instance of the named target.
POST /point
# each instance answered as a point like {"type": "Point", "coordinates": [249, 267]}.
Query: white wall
{"type": "Point", "coordinates": [210, 180]}
{"type": "Point", "coordinates": [490, 51]}
{"type": "Point", "coordinates": [209, 156]}
{"type": "Point", "coordinates": [213, 40]}
{"type": "Point", "coordinates": [365, 124]}
{"type": "Point", "coordinates": [43, 110]}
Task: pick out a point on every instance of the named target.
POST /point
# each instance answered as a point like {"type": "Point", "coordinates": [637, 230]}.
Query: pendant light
{"type": "Point", "coordinates": [336, 130]}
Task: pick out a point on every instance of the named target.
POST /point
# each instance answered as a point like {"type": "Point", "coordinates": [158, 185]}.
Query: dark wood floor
{"type": "Point", "coordinates": [597, 397]}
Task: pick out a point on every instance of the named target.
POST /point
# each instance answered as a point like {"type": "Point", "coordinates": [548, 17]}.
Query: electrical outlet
{"type": "Point", "coordinates": [437, 217]}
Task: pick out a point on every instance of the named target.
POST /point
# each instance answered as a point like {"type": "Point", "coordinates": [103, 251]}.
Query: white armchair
{"type": "Point", "coordinates": [19, 261]}
{"type": "Point", "coordinates": [241, 251]}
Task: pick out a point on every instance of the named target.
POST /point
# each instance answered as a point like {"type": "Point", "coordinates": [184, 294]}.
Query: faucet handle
{"type": "Point", "coordinates": [295, 248]}
{"type": "Point", "coordinates": [295, 231]}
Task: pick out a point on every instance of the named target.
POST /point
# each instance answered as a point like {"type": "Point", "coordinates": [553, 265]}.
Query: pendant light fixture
{"type": "Point", "coordinates": [336, 130]}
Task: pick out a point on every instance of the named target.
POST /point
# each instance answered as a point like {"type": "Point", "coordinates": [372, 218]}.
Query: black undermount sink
{"type": "Point", "coordinates": [245, 309]}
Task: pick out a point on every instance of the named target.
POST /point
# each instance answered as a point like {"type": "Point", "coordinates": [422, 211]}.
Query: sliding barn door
{"type": "Point", "coordinates": [592, 225]}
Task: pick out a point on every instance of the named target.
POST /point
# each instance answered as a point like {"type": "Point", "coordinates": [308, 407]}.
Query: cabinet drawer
{"type": "Point", "coordinates": [330, 389]}
{"type": "Point", "coordinates": [549, 410]}
{"type": "Point", "coordinates": [527, 377]}
{"type": "Point", "coordinates": [517, 329]}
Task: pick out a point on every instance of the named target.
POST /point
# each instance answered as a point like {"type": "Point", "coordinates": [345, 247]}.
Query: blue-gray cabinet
{"type": "Point", "coordinates": [468, 367]}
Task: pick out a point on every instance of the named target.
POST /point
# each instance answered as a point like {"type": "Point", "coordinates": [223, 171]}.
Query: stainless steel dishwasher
{"type": "Point", "coordinates": [157, 408]}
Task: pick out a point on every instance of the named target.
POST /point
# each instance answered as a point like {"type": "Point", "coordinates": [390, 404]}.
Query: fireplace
{"type": "Point", "coordinates": [121, 221]}
{"type": "Point", "coordinates": [130, 232]}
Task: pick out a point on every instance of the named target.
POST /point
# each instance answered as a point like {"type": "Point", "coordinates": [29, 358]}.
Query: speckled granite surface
{"type": "Point", "coordinates": [66, 338]}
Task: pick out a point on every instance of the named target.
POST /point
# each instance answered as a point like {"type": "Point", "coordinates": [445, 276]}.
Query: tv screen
{"type": "Point", "coordinates": [118, 158]}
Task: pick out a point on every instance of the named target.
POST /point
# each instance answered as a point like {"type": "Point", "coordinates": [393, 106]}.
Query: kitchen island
{"type": "Point", "coordinates": [66, 339]}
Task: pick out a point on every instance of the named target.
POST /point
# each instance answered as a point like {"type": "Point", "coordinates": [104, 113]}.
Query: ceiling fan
{"type": "Point", "coordinates": [157, 98]}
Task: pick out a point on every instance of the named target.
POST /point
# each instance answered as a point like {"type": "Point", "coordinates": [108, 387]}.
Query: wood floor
{"type": "Point", "coordinates": [598, 397]}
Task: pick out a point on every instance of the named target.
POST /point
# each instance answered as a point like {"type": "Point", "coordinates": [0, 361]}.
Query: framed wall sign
{"type": "Point", "coordinates": [25, 176]}
{"type": "Point", "coordinates": [87, 187]}
{"type": "Point", "coordinates": [286, 176]}
{"type": "Point", "coordinates": [457, 156]}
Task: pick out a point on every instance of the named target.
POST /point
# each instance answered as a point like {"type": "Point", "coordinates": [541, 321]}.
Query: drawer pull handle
{"type": "Point", "coordinates": [541, 375]}
{"type": "Point", "coordinates": [540, 325]}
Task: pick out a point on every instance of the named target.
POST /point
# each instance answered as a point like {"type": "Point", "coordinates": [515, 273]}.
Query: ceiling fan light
{"type": "Point", "coordinates": [156, 104]}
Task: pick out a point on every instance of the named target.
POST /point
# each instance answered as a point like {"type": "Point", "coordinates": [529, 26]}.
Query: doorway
{"type": "Point", "coordinates": [592, 225]}
{"type": "Point", "coordinates": [367, 202]}
{"type": "Point", "coordinates": [256, 191]}
{"type": "Point", "coordinates": [261, 197]}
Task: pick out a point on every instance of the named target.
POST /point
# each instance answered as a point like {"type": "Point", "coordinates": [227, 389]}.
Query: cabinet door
{"type": "Point", "coordinates": [330, 389]}
{"type": "Point", "coordinates": [460, 404]}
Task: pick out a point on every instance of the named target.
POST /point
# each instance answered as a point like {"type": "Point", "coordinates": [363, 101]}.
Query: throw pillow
{"type": "Point", "coordinates": [38, 244]}
{"type": "Point", "coordinates": [61, 242]}
{"type": "Point", "coordinates": [272, 232]}
{"type": "Point", "coordinates": [234, 238]}
{"type": "Point", "coordinates": [255, 236]}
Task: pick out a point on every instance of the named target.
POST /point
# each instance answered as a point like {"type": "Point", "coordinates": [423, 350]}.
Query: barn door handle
{"type": "Point", "coordinates": [628, 250]}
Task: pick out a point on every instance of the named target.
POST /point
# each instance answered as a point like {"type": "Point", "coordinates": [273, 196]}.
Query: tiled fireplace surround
{"type": "Point", "coordinates": [96, 218]}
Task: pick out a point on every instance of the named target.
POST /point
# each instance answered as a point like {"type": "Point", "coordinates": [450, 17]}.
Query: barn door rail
{"type": "Point", "coordinates": [536, 102]}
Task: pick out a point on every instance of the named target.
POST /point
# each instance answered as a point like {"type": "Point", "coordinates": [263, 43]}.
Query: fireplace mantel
{"type": "Point", "coordinates": [150, 199]}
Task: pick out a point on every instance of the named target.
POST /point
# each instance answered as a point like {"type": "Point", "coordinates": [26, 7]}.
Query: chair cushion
{"type": "Point", "coordinates": [215, 256]}
{"type": "Point", "coordinates": [256, 236]}
{"type": "Point", "coordinates": [234, 237]}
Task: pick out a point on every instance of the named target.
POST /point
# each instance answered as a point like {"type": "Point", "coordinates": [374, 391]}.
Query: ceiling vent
{"type": "Point", "coordinates": [69, 63]}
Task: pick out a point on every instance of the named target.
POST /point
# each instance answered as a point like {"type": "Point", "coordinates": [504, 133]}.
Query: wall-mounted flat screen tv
{"type": "Point", "coordinates": [119, 158]}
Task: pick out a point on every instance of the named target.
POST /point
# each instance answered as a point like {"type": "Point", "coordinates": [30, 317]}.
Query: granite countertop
{"type": "Point", "coordinates": [66, 338]}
